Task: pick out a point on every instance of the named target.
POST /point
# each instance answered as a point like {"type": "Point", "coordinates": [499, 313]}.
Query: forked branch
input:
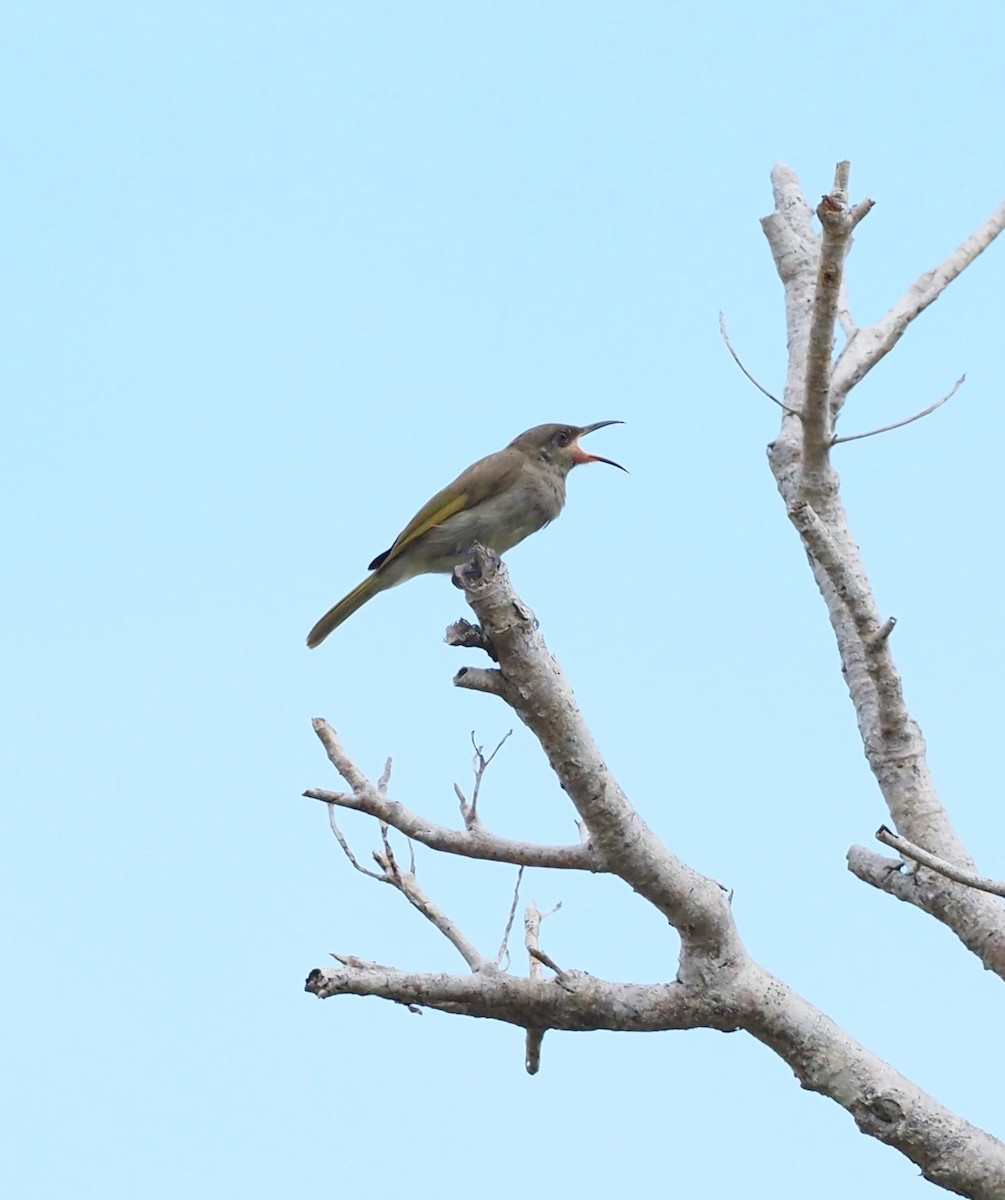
{"type": "Point", "coordinates": [891, 738]}
{"type": "Point", "coordinates": [476, 842]}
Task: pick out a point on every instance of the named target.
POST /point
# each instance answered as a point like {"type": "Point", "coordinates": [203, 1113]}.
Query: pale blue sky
{"type": "Point", "coordinates": [273, 275]}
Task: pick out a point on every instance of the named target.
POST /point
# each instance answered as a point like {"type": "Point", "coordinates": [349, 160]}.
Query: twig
{"type": "Point", "coordinates": [736, 358]}
{"type": "Point", "coordinates": [462, 801]}
{"type": "Point", "coordinates": [406, 883]}
{"type": "Point", "coordinates": [481, 760]}
{"type": "Point", "coordinates": [477, 843]}
{"type": "Point", "coordinates": [854, 437]}
{"type": "Point", "coordinates": [480, 766]}
{"type": "Point", "coordinates": [387, 860]}
{"type": "Point", "coordinates": [340, 837]}
{"type": "Point", "coordinates": [933, 862]}
{"type": "Point", "coordinates": [504, 945]}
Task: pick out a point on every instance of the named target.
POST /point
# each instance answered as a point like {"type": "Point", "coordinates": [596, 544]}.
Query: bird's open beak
{"type": "Point", "coordinates": [581, 456]}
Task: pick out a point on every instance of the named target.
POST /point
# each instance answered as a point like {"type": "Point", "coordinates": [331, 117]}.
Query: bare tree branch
{"type": "Point", "coordinates": [478, 679]}
{"type": "Point", "coordinates": [930, 892]}
{"type": "Point", "coordinates": [472, 843]}
{"type": "Point", "coordinates": [713, 963]}
{"type": "Point", "coordinates": [534, 685]}
{"type": "Point", "coordinates": [892, 740]}
{"type": "Point", "coordinates": [852, 589]}
{"type": "Point", "coordinates": [789, 228]}
{"type": "Point", "coordinates": [405, 882]}
{"type": "Point", "coordinates": [969, 878]}
{"type": "Point", "coordinates": [876, 341]}
{"type": "Point", "coordinates": [718, 985]}
{"type": "Point", "coordinates": [886, 874]}
{"type": "Point", "coordinates": [837, 221]}
{"type": "Point", "coordinates": [580, 1003]}
{"type": "Point", "coordinates": [346, 849]}
{"type": "Point", "coordinates": [795, 248]}
{"type": "Point", "coordinates": [949, 1150]}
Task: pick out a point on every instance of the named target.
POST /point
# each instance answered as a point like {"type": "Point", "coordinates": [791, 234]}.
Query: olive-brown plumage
{"type": "Point", "coordinates": [497, 501]}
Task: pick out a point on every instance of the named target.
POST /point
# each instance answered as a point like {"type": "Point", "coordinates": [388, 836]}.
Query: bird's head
{"type": "Point", "coordinates": [558, 445]}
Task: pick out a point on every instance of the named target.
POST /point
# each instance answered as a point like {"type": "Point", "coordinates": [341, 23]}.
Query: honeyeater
{"type": "Point", "coordinates": [497, 501]}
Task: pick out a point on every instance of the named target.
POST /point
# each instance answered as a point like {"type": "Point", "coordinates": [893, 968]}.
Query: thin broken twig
{"type": "Point", "coordinates": [855, 437]}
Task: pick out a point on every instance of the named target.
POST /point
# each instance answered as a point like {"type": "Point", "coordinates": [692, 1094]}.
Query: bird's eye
{"type": "Point", "coordinates": [563, 437]}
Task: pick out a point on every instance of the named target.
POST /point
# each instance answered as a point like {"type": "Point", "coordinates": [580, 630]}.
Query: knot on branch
{"type": "Point", "coordinates": [879, 1110]}
{"type": "Point", "coordinates": [318, 983]}
{"type": "Point", "coordinates": [470, 637]}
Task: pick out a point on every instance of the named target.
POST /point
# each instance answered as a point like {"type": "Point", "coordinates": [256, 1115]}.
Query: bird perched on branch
{"type": "Point", "coordinates": [497, 501]}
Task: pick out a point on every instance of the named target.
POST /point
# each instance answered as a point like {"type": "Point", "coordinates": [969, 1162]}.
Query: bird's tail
{"type": "Point", "coordinates": [346, 607]}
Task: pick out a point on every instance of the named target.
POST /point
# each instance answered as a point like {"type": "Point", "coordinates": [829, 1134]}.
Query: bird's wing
{"type": "Point", "coordinates": [482, 479]}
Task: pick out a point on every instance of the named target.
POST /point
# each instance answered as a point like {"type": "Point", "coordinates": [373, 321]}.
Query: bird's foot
{"type": "Point", "coordinates": [471, 571]}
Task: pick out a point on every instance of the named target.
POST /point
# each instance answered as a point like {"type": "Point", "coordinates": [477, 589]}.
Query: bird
{"type": "Point", "coordinates": [497, 502]}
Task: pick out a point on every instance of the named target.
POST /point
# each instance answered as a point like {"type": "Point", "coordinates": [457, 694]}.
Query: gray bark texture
{"type": "Point", "coordinates": [718, 985]}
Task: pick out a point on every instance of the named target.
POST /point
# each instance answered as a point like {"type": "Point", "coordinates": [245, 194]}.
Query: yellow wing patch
{"type": "Point", "coordinates": [432, 514]}
{"type": "Point", "coordinates": [482, 479]}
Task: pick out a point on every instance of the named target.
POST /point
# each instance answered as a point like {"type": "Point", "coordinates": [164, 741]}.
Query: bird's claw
{"type": "Point", "coordinates": [471, 571]}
